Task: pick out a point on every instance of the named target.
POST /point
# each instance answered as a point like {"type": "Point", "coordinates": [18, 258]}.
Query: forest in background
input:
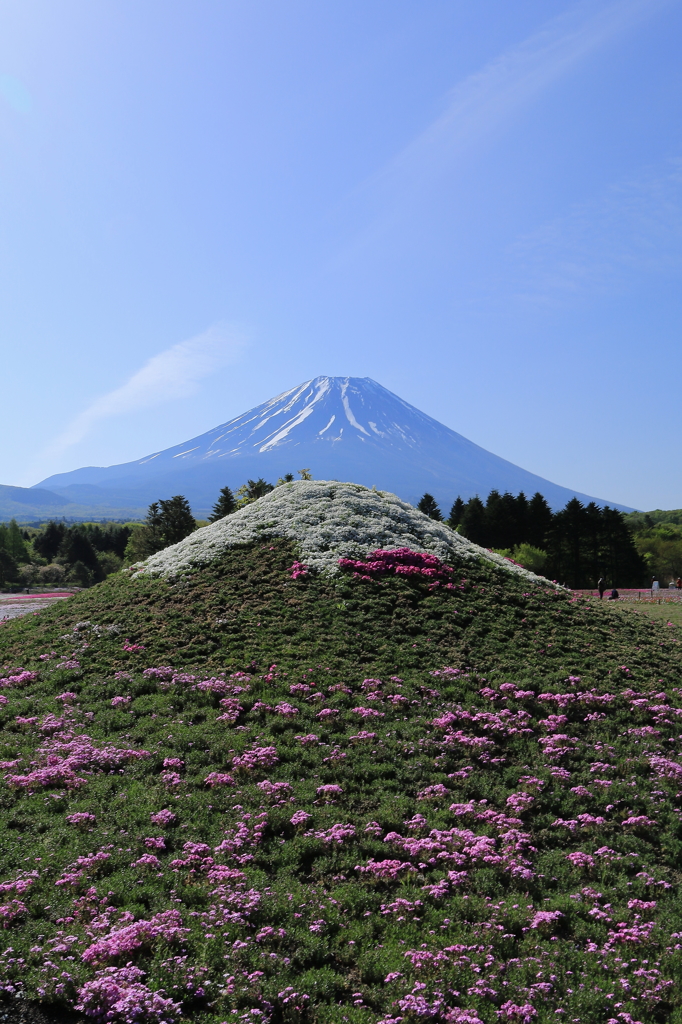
{"type": "Point", "coordinates": [576, 546]}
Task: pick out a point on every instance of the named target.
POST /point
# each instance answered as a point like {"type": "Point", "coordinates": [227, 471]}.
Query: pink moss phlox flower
{"type": "Point", "coordinates": [366, 713]}
{"type": "Point", "coordinates": [174, 762]}
{"type": "Point", "coordinates": [232, 709]}
{"type": "Point", "coordinates": [631, 935]}
{"type": "Point", "coordinates": [338, 834]}
{"type": "Point", "coordinates": [268, 934]}
{"type": "Point", "coordinates": [259, 757]}
{"type": "Point", "coordinates": [580, 860]}
{"type": "Point", "coordinates": [82, 867]}
{"type": "Point", "coordinates": [637, 821]}
{"type": "Point", "coordinates": [307, 740]}
{"type": "Point", "coordinates": [122, 941]}
{"type": "Point", "coordinates": [298, 569]}
{"type": "Point", "coordinates": [17, 885]}
{"type": "Point", "coordinates": [327, 713]}
{"type": "Point", "coordinates": [560, 699]}
{"type": "Point", "coordinates": [385, 869]}
{"type": "Point", "coordinates": [373, 828]}
{"type": "Point", "coordinates": [295, 1000]}
{"type": "Point", "coordinates": [525, 1014]}
{"type": "Point", "coordinates": [117, 702]}
{"type": "Point", "coordinates": [278, 792]}
{"type": "Point", "coordinates": [546, 919]}
{"type": "Point", "coordinates": [401, 906]}
{"type": "Point", "coordinates": [171, 779]}
{"type": "Point", "coordinates": [213, 685]}
{"type": "Point", "coordinates": [181, 678]}
{"type": "Point", "coordinates": [641, 905]}
{"type": "Point", "coordinates": [164, 817]}
{"type": "Point", "coordinates": [118, 995]}
{"type": "Point", "coordinates": [123, 676]}
{"type": "Point", "coordinates": [81, 818]}
{"type": "Point", "coordinates": [665, 768]}
{"type": "Point", "coordinates": [162, 672]}
{"type": "Point", "coordinates": [10, 911]}
{"type": "Point", "coordinates": [287, 710]}
{"type": "Point", "coordinates": [65, 754]}
{"type": "Point", "coordinates": [219, 779]}
{"type": "Point", "coordinates": [447, 671]}
{"type": "Point", "coordinates": [67, 697]}
{"type": "Point", "coordinates": [300, 818]}
{"type": "Point", "coordinates": [399, 562]}
{"type": "Point", "coordinates": [132, 648]}
{"type": "Point", "coordinates": [147, 860]}
{"type": "Point", "coordinates": [329, 790]}
{"type": "Point", "coordinates": [553, 723]}
{"type": "Point", "coordinates": [19, 678]}
{"type": "Point", "coordinates": [155, 843]}
{"type": "Point", "coordinates": [363, 737]}
{"type": "Point", "coordinates": [51, 724]}
{"type": "Point", "coordinates": [557, 745]}
{"type": "Point", "coordinates": [530, 782]}
{"type": "Point", "coordinates": [520, 802]}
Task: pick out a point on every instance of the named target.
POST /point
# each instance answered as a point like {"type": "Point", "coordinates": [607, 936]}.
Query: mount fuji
{"type": "Point", "coordinates": [343, 428]}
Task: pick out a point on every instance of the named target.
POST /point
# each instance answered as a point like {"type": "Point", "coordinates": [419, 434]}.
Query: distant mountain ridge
{"type": "Point", "coordinates": [344, 428]}
{"type": "Point", "coordinates": [26, 504]}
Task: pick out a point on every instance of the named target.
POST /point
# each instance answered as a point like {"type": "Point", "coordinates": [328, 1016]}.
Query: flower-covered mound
{"type": "Point", "coordinates": [327, 520]}
{"type": "Point", "coordinates": [318, 810]}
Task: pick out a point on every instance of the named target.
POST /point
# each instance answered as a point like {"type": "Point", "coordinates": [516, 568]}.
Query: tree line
{"type": "Point", "coordinates": [658, 539]}
{"type": "Point", "coordinates": [577, 545]}
{"type": "Point", "coordinates": [57, 554]}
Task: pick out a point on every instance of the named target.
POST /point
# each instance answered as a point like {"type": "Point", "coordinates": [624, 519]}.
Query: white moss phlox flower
{"type": "Point", "coordinates": [328, 521]}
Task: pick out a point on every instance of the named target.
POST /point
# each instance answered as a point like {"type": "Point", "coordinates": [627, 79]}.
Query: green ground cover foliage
{"type": "Point", "coordinates": [484, 787]}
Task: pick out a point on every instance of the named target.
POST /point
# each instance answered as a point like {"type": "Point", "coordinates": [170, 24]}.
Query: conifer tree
{"type": "Point", "coordinates": [538, 521]}
{"type": "Point", "coordinates": [48, 541]}
{"type": "Point", "coordinates": [14, 543]}
{"type": "Point", "coordinates": [472, 524]}
{"type": "Point", "coordinates": [76, 548]}
{"type": "Point", "coordinates": [455, 517]}
{"type": "Point", "coordinates": [224, 506]}
{"type": "Point", "coordinates": [168, 522]}
{"type": "Point", "coordinates": [428, 506]}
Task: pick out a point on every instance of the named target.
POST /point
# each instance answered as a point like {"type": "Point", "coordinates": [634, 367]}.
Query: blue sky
{"type": "Point", "coordinates": [478, 205]}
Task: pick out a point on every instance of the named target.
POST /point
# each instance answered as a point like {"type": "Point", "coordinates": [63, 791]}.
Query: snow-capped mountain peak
{"type": "Point", "coordinates": [344, 428]}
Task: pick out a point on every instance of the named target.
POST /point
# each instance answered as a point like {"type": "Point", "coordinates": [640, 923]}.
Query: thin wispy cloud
{"type": "Point", "coordinates": [634, 227]}
{"type": "Point", "coordinates": [485, 102]}
{"type": "Point", "coordinates": [171, 375]}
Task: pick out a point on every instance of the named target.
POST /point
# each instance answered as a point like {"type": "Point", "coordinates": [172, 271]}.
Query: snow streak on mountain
{"type": "Point", "coordinates": [343, 428]}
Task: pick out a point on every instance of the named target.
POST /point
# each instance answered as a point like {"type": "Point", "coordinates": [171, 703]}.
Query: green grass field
{"type": "Point", "coordinates": [381, 802]}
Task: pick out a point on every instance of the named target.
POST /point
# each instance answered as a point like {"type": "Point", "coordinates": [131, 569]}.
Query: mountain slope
{"type": "Point", "coordinates": [344, 428]}
{"type": "Point", "coordinates": [236, 794]}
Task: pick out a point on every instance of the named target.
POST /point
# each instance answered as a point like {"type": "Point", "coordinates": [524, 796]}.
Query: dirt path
{"type": "Point", "coordinates": [12, 606]}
